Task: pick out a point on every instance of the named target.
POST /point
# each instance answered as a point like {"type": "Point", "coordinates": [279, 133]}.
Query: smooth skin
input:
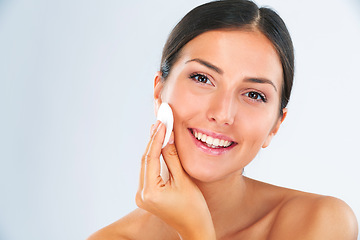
{"type": "Point", "coordinates": [211, 87]}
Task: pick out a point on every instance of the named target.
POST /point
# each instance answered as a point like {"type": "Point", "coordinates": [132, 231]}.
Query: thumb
{"type": "Point", "coordinates": [171, 157]}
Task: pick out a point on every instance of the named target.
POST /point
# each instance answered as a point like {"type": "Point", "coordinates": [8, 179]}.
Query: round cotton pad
{"type": "Point", "coordinates": [165, 115]}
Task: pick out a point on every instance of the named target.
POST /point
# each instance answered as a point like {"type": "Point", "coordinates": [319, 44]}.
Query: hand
{"type": "Point", "coordinates": [178, 202]}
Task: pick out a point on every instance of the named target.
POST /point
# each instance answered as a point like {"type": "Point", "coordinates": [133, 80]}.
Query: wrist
{"type": "Point", "coordinates": [199, 236]}
{"type": "Point", "coordinates": [203, 232]}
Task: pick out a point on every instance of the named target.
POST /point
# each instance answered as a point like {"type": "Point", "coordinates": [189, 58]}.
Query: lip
{"type": "Point", "coordinates": [208, 150]}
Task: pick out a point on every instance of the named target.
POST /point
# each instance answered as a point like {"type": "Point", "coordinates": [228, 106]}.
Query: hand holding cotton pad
{"type": "Point", "coordinates": [165, 115]}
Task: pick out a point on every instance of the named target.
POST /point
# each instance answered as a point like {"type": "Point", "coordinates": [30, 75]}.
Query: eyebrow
{"type": "Point", "coordinates": [206, 64]}
{"type": "Point", "coordinates": [218, 70]}
{"type": "Point", "coordinates": [261, 80]}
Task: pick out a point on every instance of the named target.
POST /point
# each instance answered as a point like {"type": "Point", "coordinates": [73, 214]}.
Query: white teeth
{"type": "Point", "coordinates": [209, 140]}
{"type": "Point", "coordinates": [212, 142]}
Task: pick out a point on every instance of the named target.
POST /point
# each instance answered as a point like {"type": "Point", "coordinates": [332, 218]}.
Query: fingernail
{"type": "Point", "coordinates": [154, 127]}
{"type": "Point", "coordinates": [171, 139]}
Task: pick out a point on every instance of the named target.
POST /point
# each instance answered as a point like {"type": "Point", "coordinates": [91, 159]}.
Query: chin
{"type": "Point", "coordinates": [204, 171]}
{"type": "Point", "coordinates": [202, 176]}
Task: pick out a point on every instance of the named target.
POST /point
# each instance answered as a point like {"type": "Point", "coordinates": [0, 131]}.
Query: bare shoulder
{"type": "Point", "coordinates": [310, 216]}
{"type": "Point", "coordinates": [139, 224]}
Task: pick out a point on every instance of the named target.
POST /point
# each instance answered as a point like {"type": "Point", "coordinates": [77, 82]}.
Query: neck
{"type": "Point", "coordinates": [229, 202]}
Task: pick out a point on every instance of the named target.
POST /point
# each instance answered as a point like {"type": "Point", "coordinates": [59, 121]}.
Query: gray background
{"type": "Point", "coordinates": [76, 106]}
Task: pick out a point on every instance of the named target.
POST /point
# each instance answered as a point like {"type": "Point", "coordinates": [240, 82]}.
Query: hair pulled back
{"type": "Point", "coordinates": [233, 14]}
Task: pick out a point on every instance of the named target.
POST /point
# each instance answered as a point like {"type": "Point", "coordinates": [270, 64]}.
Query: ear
{"type": "Point", "coordinates": [275, 128]}
{"type": "Point", "coordinates": [158, 86]}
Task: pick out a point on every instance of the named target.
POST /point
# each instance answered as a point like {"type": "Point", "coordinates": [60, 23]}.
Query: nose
{"type": "Point", "coordinates": [222, 109]}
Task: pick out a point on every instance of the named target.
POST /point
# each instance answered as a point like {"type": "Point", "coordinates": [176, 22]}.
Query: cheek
{"type": "Point", "coordinates": [184, 103]}
{"type": "Point", "coordinates": [254, 126]}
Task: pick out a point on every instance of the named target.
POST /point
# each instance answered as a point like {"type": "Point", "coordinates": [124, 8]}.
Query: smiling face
{"type": "Point", "coordinates": [225, 93]}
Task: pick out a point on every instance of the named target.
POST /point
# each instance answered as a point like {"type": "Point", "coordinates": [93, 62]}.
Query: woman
{"type": "Point", "coordinates": [227, 72]}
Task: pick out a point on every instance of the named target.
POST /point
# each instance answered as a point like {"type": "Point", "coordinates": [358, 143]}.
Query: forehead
{"type": "Point", "coordinates": [238, 53]}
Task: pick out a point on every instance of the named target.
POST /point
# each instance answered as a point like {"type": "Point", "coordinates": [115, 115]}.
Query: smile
{"type": "Point", "coordinates": [211, 143]}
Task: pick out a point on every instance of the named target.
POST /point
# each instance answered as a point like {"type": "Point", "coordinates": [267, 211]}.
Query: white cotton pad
{"type": "Point", "coordinates": [165, 115]}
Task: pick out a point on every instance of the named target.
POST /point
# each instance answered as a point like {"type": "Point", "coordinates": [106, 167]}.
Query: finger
{"type": "Point", "coordinates": [172, 159]}
{"type": "Point", "coordinates": [152, 158]}
{"type": "Point", "coordinates": [142, 168]}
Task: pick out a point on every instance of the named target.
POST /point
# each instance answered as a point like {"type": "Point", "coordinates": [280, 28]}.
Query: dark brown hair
{"type": "Point", "coordinates": [233, 14]}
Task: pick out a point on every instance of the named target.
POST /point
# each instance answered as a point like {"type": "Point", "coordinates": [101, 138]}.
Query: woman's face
{"type": "Point", "coordinates": [225, 93]}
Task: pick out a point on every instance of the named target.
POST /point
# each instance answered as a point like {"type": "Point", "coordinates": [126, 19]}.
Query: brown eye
{"type": "Point", "coordinates": [256, 96]}
{"type": "Point", "coordinates": [201, 78]}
